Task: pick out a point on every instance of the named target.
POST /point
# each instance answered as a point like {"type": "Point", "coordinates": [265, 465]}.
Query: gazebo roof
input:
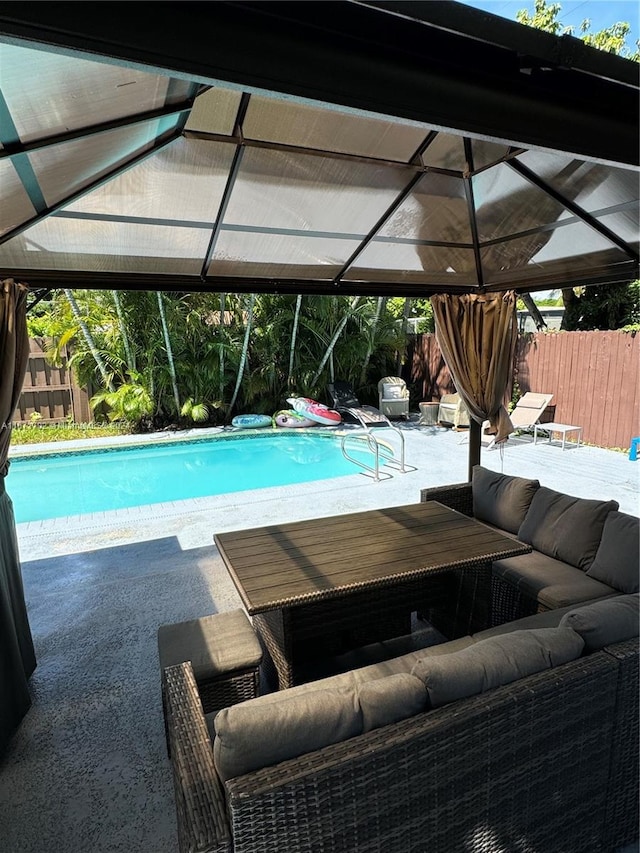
{"type": "Point", "coordinates": [317, 147]}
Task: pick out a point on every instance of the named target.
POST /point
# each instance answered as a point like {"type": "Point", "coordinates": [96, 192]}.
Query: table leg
{"type": "Point", "coordinates": [294, 638]}
{"type": "Point", "coordinates": [473, 608]}
{"type": "Point", "coordinates": [276, 662]}
{"type": "Point", "coordinates": [456, 601]}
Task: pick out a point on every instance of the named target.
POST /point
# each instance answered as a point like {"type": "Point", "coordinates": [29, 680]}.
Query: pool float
{"type": "Point", "coordinates": [251, 421]}
{"type": "Point", "coordinates": [293, 419]}
{"type": "Point", "coordinates": [315, 411]}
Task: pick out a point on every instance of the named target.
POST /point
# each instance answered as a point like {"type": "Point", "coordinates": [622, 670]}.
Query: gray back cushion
{"type": "Point", "coordinates": [603, 623]}
{"type": "Point", "coordinates": [564, 527]}
{"type": "Point", "coordinates": [501, 500]}
{"type": "Point", "coordinates": [496, 661]}
{"type": "Point", "coordinates": [257, 734]}
{"type": "Point", "coordinates": [617, 561]}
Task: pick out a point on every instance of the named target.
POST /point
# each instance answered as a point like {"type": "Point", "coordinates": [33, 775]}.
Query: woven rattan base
{"type": "Point", "coordinates": [623, 806]}
{"type": "Point", "coordinates": [223, 679]}
{"type": "Point", "coordinates": [509, 603]}
{"type": "Point", "coordinates": [297, 636]}
{"type": "Point", "coordinates": [464, 605]}
{"type": "Point", "coordinates": [233, 687]}
{"type": "Point", "coordinates": [458, 601]}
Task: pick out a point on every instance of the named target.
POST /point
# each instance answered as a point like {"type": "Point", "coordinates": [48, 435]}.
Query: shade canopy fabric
{"type": "Point", "coordinates": [239, 147]}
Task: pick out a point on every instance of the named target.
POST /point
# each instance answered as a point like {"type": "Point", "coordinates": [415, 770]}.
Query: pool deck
{"type": "Point", "coordinates": [439, 455]}
{"type": "Point", "coordinates": [87, 769]}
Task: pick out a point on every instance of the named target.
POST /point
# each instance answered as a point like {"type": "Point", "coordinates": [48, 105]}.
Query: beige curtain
{"type": "Point", "coordinates": [477, 335]}
{"type": "Point", "coordinates": [17, 657]}
{"type": "Point", "coordinates": [14, 353]}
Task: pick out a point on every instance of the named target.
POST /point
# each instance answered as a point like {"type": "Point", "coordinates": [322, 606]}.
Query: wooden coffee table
{"type": "Point", "coordinates": [320, 587]}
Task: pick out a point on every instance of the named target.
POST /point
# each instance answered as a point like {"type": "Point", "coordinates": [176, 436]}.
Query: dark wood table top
{"type": "Point", "coordinates": [288, 564]}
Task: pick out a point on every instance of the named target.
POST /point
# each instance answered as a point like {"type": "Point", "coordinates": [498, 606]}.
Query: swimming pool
{"type": "Point", "coordinates": [76, 483]}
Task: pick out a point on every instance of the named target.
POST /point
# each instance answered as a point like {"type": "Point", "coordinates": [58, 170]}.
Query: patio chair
{"type": "Point", "coordinates": [453, 411]}
{"type": "Point", "coordinates": [393, 397]}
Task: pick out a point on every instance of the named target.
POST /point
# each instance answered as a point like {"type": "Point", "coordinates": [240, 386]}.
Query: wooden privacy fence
{"type": "Point", "coordinates": [50, 391]}
{"type": "Point", "coordinates": [594, 378]}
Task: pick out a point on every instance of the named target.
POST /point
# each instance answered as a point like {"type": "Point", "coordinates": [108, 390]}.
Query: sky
{"type": "Point", "coordinates": [601, 13]}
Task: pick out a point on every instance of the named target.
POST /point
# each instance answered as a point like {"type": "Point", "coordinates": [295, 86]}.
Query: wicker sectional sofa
{"type": "Point", "coordinates": [524, 736]}
{"type": "Point", "coordinates": [583, 550]}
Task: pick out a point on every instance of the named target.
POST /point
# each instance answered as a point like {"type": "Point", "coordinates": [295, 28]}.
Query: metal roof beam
{"type": "Point", "coordinates": [43, 211]}
{"type": "Point", "coordinates": [622, 273]}
{"type": "Point", "coordinates": [367, 59]}
{"type": "Point", "coordinates": [14, 148]}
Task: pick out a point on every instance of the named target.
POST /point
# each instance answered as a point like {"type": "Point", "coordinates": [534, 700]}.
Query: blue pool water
{"type": "Point", "coordinates": [93, 481]}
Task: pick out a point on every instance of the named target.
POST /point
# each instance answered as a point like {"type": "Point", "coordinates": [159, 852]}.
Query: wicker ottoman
{"type": "Point", "coordinates": [225, 654]}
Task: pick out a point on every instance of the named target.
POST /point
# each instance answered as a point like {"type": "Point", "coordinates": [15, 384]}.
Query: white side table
{"type": "Point", "coordinates": [552, 427]}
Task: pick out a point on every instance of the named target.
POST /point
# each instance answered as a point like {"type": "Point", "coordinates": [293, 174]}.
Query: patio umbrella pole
{"type": "Point", "coordinates": [475, 435]}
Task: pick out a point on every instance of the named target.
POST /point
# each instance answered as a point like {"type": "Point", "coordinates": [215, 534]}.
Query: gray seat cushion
{"type": "Point", "coordinates": [604, 623]}
{"type": "Point", "coordinates": [496, 661]}
{"type": "Point", "coordinates": [544, 619]}
{"type": "Point", "coordinates": [373, 671]}
{"type": "Point", "coordinates": [565, 527]}
{"type": "Point", "coordinates": [501, 500]}
{"type": "Point", "coordinates": [618, 556]}
{"type": "Point", "coordinates": [550, 581]}
{"type": "Point", "coordinates": [257, 734]}
{"type": "Point", "coordinates": [215, 645]}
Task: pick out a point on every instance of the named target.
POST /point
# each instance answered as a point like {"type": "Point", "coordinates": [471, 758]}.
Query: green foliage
{"type": "Point", "coordinates": [130, 402]}
{"type": "Point", "coordinates": [612, 39]}
{"type": "Point", "coordinates": [634, 303]}
{"type": "Point", "coordinates": [37, 433]}
{"type": "Point", "coordinates": [49, 318]}
{"type": "Point", "coordinates": [610, 306]}
{"type": "Point", "coordinates": [418, 308]}
{"type": "Point", "coordinates": [197, 412]}
{"type": "Point", "coordinates": [544, 17]}
{"type": "Point", "coordinates": [128, 336]}
{"type": "Point", "coordinates": [550, 302]}
{"type": "Point", "coordinates": [516, 393]}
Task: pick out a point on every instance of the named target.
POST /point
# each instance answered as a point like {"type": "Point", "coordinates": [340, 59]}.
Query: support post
{"type": "Point", "coordinates": [475, 435]}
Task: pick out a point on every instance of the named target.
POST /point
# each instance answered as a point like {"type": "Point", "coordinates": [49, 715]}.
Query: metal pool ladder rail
{"type": "Point", "coordinates": [379, 450]}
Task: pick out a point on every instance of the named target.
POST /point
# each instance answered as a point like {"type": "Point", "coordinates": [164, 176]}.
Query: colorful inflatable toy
{"type": "Point", "coordinates": [251, 421]}
{"type": "Point", "coordinates": [291, 418]}
{"type": "Point", "coordinates": [315, 411]}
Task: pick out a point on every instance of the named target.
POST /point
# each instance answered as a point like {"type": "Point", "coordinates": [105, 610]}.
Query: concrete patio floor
{"type": "Point", "coordinates": [87, 770]}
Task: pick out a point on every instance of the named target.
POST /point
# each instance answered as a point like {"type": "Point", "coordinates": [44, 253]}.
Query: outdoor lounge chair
{"type": "Point", "coordinates": [526, 413]}
{"type": "Point", "coordinates": [343, 399]}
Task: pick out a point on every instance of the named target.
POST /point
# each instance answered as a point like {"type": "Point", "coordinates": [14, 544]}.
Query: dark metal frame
{"type": "Point", "coordinates": [363, 55]}
{"type": "Point", "coordinates": [523, 81]}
